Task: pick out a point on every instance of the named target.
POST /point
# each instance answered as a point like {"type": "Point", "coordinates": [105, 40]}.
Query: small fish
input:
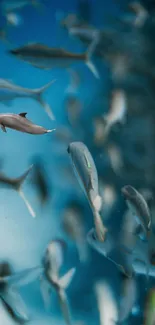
{"type": "Point", "coordinates": [138, 207]}
{"type": "Point", "coordinates": [10, 91]}
{"type": "Point", "coordinates": [73, 225]}
{"type": "Point", "coordinates": [19, 122]}
{"type": "Point", "coordinates": [16, 184]}
{"type": "Point", "coordinates": [116, 159]}
{"type": "Point", "coordinates": [13, 19]}
{"type": "Point", "coordinates": [13, 5]}
{"type": "Point", "coordinates": [73, 109]}
{"type": "Point", "coordinates": [74, 82]}
{"type": "Point", "coordinates": [118, 109]}
{"type": "Point", "coordinates": [9, 295]}
{"type": "Point", "coordinates": [40, 180]}
{"type": "Point", "coordinates": [107, 304]}
{"type": "Point", "coordinates": [149, 311]}
{"type": "Point", "coordinates": [44, 57]}
{"type": "Point", "coordinates": [141, 13]}
{"type": "Point", "coordinates": [85, 170]}
{"type": "Point", "coordinates": [52, 263]}
{"type": "Point", "coordinates": [109, 197]}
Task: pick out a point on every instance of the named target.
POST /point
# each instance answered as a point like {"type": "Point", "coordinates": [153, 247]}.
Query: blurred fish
{"type": "Point", "coordinates": [40, 180]}
{"type": "Point", "coordinates": [13, 19]}
{"type": "Point", "coordinates": [141, 13]}
{"type": "Point", "coordinates": [16, 184]}
{"type": "Point", "coordinates": [10, 91]}
{"type": "Point", "coordinates": [52, 263]}
{"type": "Point", "coordinates": [85, 170]}
{"type": "Point", "coordinates": [73, 225]}
{"type": "Point", "coordinates": [149, 312]}
{"type": "Point", "coordinates": [109, 196]}
{"type": "Point", "coordinates": [44, 57]}
{"type": "Point", "coordinates": [13, 5]}
{"type": "Point", "coordinates": [20, 123]}
{"type": "Point", "coordinates": [139, 267]}
{"type": "Point", "coordinates": [115, 156]}
{"type": "Point", "coordinates": [9, 295]}
{"type": "Point", "coordinates": [107, 305]}
{"type": "Point", "coordinates": [74, 82]}
{"type": "Point", "coordinates": [128, 298]}
{"type": "Point", "coordinates": [139, 208]}
{"type": "Point", "coordinates": [73, 109]}
{"type": "Point", "coordinates": [118, 110]}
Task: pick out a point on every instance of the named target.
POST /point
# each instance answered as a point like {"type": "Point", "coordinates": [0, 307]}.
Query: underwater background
{"type": "Point", "coordinates": [23, 240]}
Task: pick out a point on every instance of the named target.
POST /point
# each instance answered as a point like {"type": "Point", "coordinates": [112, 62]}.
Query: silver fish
{"type": "Point", "coordinates": [13, 5]}
{"type": "Point", "coordinates": [9, 295]}
{"type": "Point", "coordinates": [85, 170]}
{"type": "Point", "coordinates": [20, 123]}
{"type": "Point", "coordinates": [16, 184]}
{"type": "Point", "coordinates": [138, 207]}
{"type": "Point", "coordinates": [10, 91]}
{"type": "Point", "coordinates": [52, 262]}
{"type": "Point", "coordinates": [44, 57]}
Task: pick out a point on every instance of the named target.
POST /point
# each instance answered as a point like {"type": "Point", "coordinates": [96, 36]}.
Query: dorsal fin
{"type": "Point", "coordinates": [23, 114]}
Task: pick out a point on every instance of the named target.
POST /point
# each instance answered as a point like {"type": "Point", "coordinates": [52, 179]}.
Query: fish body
{"type": "Point", "coordinates": [44, 57]}
{"type": "Point", "coordinates": [138, 207]}
{"type": "Point", "coordinates": [19, 122]}
{"type": "Point", "coordinates": [86, 173]}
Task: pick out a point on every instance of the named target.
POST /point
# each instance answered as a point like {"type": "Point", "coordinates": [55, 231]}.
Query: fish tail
{"type": "Point", "coordinates": [64, 306]}
{"type": "Point", "coordinates": [100, 229]}
{"type": "Point", "coordinates": [27, 203]}
{"type": "Point", "coordinates": [45, 291]}
{"type": "Point", "coordinates": [21, 179]}
{"type": "Point", "coordinates": [89, 53]}
{"type": "Point", "coordinates": [66, 279]}
{"type": "Point", "coordinates": [38, 96]}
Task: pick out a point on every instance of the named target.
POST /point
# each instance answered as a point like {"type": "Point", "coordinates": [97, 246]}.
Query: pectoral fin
{"type": "Point", "coordinates": [3, 128]}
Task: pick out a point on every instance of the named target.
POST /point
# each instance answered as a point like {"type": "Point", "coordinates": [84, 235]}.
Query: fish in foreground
{"type": "Point", "coordinates": [16, 184]}
{"type": "Point", "coordinates": [19, 122]}
{"type": "Point", "coordinates": [107, 305]}
{"type": "Point", "coordinates": [85, 170]}
{"type": "Point", "coordinates": [118, 109]}
{"type": "Point", "coordinates": [73, 225]}
{"type": "Point", "coordinates": [139, 208]}
{"type": "Point", "coordinates": [11, 299]}
{"type": "Point", "coordinates": [10, 91]}
{"type": "Point", "coordinates": [52, 263]}
{"type": "Point", "coordinates": [128, 298]}
{"type": "Point", "coordinates": [44, 57]}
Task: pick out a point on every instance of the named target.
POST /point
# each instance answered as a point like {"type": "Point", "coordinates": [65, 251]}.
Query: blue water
{"type": "Point", "coordinates": [23, 240]}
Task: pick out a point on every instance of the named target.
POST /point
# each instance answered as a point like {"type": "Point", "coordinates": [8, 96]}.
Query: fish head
{"type": "Point", "coordinates": [103, 248]}
{"type": "Point", "coordinates": [128, 192]}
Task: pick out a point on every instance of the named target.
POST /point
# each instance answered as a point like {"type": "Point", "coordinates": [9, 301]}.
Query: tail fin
{"type": "Point", "coordinates": [24, 277]}
{"type": "Point", "coordinates": [38, 96]}
{"type": "Point", "coordinates": [101, 230]}
{"type": "Point", "coordinates": [65, 280]}
{"type": "Point", "coordinates": [45, 291]}
{"type": "Point", "coordinates": [18, 185]}
{"type": "Point", "coordinates": [89, 54]}
{"type": "Point", "coordinates": [64, 306]}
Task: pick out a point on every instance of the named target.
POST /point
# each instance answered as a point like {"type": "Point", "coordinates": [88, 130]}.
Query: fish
{"type": "Point", "coordinates": [73, 109]}
{"type": "Point", "coordinates": [115, 157]}
{"type": "Point", "coordinates": [73, 225]}
{"type": "Point", "coordinates": [52, 263]}
{"type": "Point", "coordinates": [138, 207]}
{"type": "Point", "coordinates": [16, 184]}
{"type": "Point", "coordinates": [44, 57]}
{"type": "Point", "coordinates": [118, 110]}
{"type": "Point", "coordinates": [141, 13]}
{"type": "Point", "coordinates": [11, 299]}
{"type": "Point", "coordinates": [74, 82]}
{"type": "Point", "coordinates": [86, 173]}
{"type": "Point", "coordinates": [13, 19]}
{"type": "Point", "coordinates": [19, 122]}
{"type": "Point", "coordinates": [10, 91]}
{"type": "Point", "coordinates": [13, 5]}
{"type": "Point", "coordinates": [106, 302]}
{"type": "Point", "coordinates": [40, 180]}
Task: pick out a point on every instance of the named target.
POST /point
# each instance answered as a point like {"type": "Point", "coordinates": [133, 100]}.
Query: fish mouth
{"type": "Point", "coordinates": [128, 191]}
